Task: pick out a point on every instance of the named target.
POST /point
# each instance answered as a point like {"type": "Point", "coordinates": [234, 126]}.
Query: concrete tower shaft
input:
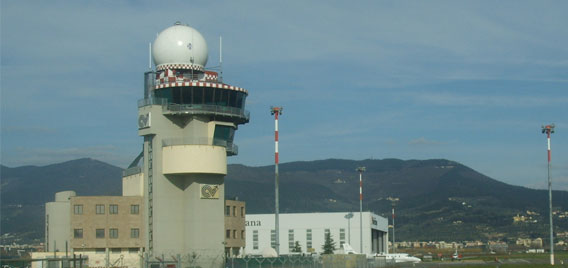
{"type": "Point", "coordinates": [188, 120]}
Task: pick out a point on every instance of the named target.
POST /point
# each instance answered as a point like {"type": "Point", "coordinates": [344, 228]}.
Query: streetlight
{"type": "Point", "coordinates": [361, 170]}
{"type": "Point", "coordinates": [393, 244]}
{"type": "Point", "coordinates": [548, 129]}
{"type": "Point", "coordinates": [348, 217]}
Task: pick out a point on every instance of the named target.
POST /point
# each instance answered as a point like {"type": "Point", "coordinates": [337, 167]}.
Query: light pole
{"type": "Point", "coordinates": [276, 111]}
{"type": "Point", "coordinates": [548, 129]}
{"type": "Point", "coordinates": [393, 244]}
{"type": "Point", "coordinates": [348, 217]}
{"type": "Point", "coordinates": [361, 170]}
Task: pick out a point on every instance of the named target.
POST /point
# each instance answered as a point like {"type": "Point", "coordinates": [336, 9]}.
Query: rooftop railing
{"type": "Point", "coordinates": [196, 109]}
{"type": "Point", "coordinates": [231, 148]}
{"type": "Point", "coordinates": [131, 171]}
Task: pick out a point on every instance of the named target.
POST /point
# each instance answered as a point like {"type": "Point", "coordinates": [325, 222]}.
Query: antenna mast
{"type": "Point", "coordinates": [221, 58]}
{"type": "Point", "coordinates": [150, 56]}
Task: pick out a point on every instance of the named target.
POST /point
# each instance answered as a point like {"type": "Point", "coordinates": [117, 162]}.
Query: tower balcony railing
{"type": "Point", "coordinates": [194, 109]}
{"type": "Point", "coordinates": [131, 171]}
{"type": "Point", "coordinates": [232, 149]}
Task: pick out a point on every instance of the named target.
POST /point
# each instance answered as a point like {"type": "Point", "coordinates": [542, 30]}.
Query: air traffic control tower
{"type": "Point", "coordinates": [188, 119]}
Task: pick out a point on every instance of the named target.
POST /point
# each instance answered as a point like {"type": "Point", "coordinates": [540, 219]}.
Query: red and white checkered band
{"type": "Point", "coordinates": [201, 84]}
{"type": "Point", "coordinates": [179, 66]}
{"type": "Point", "coordinates": [211, 76]}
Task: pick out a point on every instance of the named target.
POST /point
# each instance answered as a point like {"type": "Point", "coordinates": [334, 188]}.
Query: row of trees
{"type": "Point", "coordinates": [328, 246]}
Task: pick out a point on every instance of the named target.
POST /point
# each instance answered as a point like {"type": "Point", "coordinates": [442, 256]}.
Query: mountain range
{"type": "Point", "coordinates": [434, 199]}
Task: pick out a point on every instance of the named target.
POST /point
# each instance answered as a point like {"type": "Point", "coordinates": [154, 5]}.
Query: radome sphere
{"type": "Point", "coordinates": [180, 45]}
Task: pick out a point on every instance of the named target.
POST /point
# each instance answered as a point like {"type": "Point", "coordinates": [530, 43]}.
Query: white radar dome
{"type": "Point", "coordinates": [179, 47]}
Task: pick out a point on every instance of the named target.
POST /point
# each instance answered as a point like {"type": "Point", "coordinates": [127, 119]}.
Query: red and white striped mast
{"type": "Point", "coordinates": [548, 129]}
{"type": "Point", "coordinates": [276, 111]}
{"type": "Point", "coordinates": [361, 170]}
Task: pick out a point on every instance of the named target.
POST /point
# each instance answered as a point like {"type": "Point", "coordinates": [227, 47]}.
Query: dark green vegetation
{"type": "Point", "coordinates": [438, 199]}
{"type": "Point", "coordinates": [26, 189]}
{"type": "Point", "coordinates": [329, 245]}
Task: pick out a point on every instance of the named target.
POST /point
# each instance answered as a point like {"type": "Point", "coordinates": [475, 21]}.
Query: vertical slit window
{"type": "Point", "coordinates": [255, 239]}
{"type": "Point", "coordinates": [198, 95]}
{"type": "Point", "coordinates": [176, 95]}
{"type": "Point", "coordinates": [209, 96]}
{"type": "Point", "coordinates": [186, 95]}
{"type": "Point", "coordinates": [233, 98]}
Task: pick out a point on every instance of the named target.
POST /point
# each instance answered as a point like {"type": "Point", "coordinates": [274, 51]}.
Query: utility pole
{"type": "Point", "coordinates": [548, 129]}
{"type": "Point", "coordinates": [361, 170]}
{"type": "Point", "coordinates": [276, 111]}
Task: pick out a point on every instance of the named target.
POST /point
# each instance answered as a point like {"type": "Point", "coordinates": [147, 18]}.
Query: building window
{"type": "Point", "coordinates": [100, 251]}
{"type": "Point", "coordinates": [326, 231]}
{"type": "Point", "coordinates": [291, 239]}
{"type": "Point", "coordinates": [116, 250]}
{"type": "Point", "coordinates": [255, 239]}
{"type": "Point", "coordinates": [78, 209]}
{"type": "Point", "coordinates": [113, 209]}
{"type": "Point", "coordinates": [78, 233]}
{"type": "Point", "coordinates": [341, 236]}
{"type": "Point", "coordinates": [100, 233]}
{"type": "Point", "coordinates": [113, 233]}
{"type": "Point", "coordinates": [228, 234]}
{"type": "Point", "coordinates": [309, 238]}
{"type": "Point", "coordinates": [234, 211]}
{"type": "Point", "coordinates": [273, 238]}
{"type": "Point", "coordinates": [133, 250]}
{"type": "Point", "coordinates": [100, 209]}
{"type": "Point", "coordinates": [134, 233]}
{"type": "Point", "coordinates": [134, 209]}
{"type": "Point", "coordinates": [243, 212]}
{"type": "Point", "coordinates": [227, 210]}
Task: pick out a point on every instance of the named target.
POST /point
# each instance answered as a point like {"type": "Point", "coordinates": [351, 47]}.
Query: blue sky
{"type": "Point", "coordinates": [469, 81]}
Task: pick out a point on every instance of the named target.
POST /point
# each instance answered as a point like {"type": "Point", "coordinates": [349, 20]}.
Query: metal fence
{"type": "Point", "coordinates": [330, 261]}
{"type": "Point", "coordinates": [283, 261]}
{"type": "Point", "coordinates": [77, 261]}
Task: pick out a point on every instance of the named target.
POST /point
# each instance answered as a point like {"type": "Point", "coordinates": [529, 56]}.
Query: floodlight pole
{"type": "Point", "coordinates": [348, 217]}
{"type": "Point", "coordinates": [276, 111]}
{"type": "Point", "coordinates": [393, 244]}
{"type": "Point", "coordinates": [548, 129]}
{"type": "Point", "coordinates": [361, 170]}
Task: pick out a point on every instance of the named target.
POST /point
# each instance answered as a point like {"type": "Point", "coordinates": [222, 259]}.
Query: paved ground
{"type": "Point", "coordinates": [473, 263]}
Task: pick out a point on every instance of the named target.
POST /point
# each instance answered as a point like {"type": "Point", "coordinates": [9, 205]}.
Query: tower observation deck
{"type": "Point", "coordinates": [188, 118]}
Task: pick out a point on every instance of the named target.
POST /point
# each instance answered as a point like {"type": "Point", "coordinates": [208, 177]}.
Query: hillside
{"type": "Point", "coordinates": [437, 199]}
{"type": "Point", "coordinates": [26, 189]}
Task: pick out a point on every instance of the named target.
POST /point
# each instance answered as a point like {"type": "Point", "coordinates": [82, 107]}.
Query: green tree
{"type": "Point", "coordinates": [297, 247]}
{"type": "Point", "coordinates": [329, 245]}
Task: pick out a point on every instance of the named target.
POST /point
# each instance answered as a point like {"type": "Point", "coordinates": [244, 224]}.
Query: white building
{"type": "Point", "coordinates": [309, 230]}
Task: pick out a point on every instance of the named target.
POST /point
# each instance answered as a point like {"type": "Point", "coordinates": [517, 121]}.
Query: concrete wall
{"type": "Point", "coordinates": [183, 159]}
{"type": "Point", "coordinates": [133, 185]}
{"type": "Point", "coordinates": [57, 222]}
{"type": "Point", "coordinates": [318, 223]}
{"type": "Point", "coordinates": [182, 222]}
{"type": "Point", "coordinates": [344, 261]}
{"type": "Point", "coordinates": [123, 259]}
